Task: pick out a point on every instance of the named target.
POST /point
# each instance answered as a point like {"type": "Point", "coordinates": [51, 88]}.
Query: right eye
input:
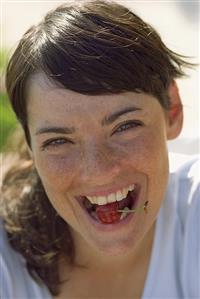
{"type": "Point", "coordinates": [55, 143]}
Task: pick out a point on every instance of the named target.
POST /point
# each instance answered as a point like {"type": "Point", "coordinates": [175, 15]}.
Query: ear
{"type": "Point", "coordinates": [175, 113]}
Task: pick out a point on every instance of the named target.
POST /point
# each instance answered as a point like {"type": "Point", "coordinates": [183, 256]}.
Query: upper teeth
{"type": "Point", "coordinates": [117, 196]}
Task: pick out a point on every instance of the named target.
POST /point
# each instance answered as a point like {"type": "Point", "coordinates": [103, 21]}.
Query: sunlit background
{"type": "Point", "coordinates": [177, 22]}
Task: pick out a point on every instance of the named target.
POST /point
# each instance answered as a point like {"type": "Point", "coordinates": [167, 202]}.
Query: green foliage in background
{"type": "Point", "coordinates": [3, 59]}
{"type": "Point", "coordinates": [7, 117]}
{"type": "Point", "coordinates": [8, 120]}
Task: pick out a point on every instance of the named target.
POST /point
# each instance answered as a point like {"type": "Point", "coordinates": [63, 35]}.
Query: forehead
{"type": "Point", "coordinates": [46, 97]}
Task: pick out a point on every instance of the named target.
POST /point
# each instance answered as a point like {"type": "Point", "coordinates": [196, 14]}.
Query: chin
{"type": "Point", "coordinates": [117, 246]}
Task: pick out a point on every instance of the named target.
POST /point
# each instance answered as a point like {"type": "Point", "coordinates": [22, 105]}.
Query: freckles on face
{"type": "Point", "coordinates": [57, 171]}
{"type": "Point", "coordinates": [98, 154]}
{"type": "Point", "coordinates": [147, 151]}
{"type": "Point", "coordinates": [147, 154]}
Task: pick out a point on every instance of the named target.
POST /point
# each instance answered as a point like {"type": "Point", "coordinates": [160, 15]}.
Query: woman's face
{"type": "Point", "coordinates": [91, 146]}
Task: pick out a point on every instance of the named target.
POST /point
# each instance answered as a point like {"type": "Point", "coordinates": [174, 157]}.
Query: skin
{"type": "Point", "coordinates": [98, 158]}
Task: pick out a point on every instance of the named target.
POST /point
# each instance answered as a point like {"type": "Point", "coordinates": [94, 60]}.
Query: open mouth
{"type": "Point", "coordinates": [115, 211]}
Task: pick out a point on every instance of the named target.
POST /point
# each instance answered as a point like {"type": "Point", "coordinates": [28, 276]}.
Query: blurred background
{"type": "Point", "coordinates": [177, 22]}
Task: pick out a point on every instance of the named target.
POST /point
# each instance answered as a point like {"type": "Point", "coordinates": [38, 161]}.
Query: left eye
{"type": "Point", "coordinates": [128, 125]}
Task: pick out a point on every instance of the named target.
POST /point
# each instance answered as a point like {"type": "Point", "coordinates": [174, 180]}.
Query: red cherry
{"type": "Point", "coordinates": [108, 213]}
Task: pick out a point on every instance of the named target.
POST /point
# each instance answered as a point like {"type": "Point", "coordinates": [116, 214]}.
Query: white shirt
{"type": "Point", "coordinates": [174, 271]}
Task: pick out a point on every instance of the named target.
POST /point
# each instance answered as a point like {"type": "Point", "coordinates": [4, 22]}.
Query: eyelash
{"type": "Point", "coordinates": [60, 141]}
{"type": "Point", "coordinates": [128, 125]}
{"type": "Point", "coordinates": [55, 142]}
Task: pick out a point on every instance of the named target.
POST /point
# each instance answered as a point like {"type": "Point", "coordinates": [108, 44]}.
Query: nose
{"type": "Point", "coordinates": [99, 165]}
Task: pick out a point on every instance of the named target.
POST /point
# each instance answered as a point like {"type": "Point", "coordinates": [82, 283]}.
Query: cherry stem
{"type": "Point", "coordinates": [143, 207]}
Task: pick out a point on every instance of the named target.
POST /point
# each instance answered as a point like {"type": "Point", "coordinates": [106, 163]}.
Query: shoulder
{"type": "Point", "coordinates": [184, 188]}
{"type": "Point", "coordinates": [13, 266]}
{"type": "Point", "coordinates": [15, 279]}
{"type": "Point", "coordinates": [182, 164]}
{"type": "Point", "coordinates": [185, 177]}
{"type": "Point", "coordinates": [10, 264]}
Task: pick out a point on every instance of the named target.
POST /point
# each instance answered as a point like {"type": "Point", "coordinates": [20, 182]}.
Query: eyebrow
{"type": "Point", "coordinates": [112, 117]}
{"type": "Point", "coordinates": [58, 130]}
{"type": "Point", "coordinates": [106, 121]}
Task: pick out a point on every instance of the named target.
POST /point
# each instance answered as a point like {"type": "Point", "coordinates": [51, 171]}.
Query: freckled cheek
{"type": "Point", "coordinates": [146, 153]}
{"type": "Point", "coordinates": [59, 171]}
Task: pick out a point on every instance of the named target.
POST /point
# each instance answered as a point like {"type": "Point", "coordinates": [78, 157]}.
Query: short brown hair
{"type": "Point", "coordinates": [93, 47]}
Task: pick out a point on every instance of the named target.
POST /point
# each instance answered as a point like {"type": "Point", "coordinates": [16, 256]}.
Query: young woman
{"type": "Point", "coordinates": [94, 213]}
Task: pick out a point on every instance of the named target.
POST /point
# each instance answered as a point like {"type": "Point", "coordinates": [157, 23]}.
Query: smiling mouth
{"type": "Point", "coordinates": [115, 211]}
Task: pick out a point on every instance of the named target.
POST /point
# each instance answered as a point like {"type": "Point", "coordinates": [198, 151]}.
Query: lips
{"type": "Point", "coordinates": [108, 213]}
